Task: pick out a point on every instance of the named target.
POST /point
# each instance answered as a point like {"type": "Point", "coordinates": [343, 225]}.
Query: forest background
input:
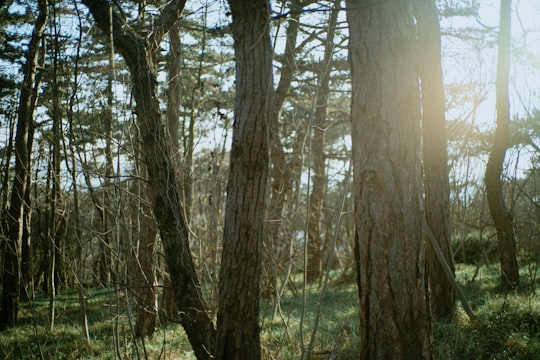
{"type": "Point", "coordinates": [88, 229]}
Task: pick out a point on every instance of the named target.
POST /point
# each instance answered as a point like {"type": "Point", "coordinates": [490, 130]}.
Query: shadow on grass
{"type": "Point", "coordinates": [507, 325]}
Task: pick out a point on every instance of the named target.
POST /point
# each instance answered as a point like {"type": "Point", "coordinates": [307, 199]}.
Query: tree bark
{"type": "Point", "coordinates": [145, 238]}
{"type": "Point", "coordinates": [435, 157]}
{"type": "Point", "coordinates": [145, 280]}
{"type": "Point", "coordinates": [279, 172]}
{"type": "Point", "coordinates": [14, 217]}
{"type": "Point", "coordinates": [168, 308]}
{"type": "Point", "coordinates": [238, 315]}
{"type": "Point", "coordinates": [163, 177]}
{"type": "Point", "coordinates": [395, 319]}
{"type": "Point", "coordinates": [502, 218]}
{"type": "Point", "coordinates": [316, 201]}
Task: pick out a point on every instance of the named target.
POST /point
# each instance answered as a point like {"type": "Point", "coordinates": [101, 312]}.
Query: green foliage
{"type": "Point", "coordinates": [505, 327]}
{"type": "Point", "coordinates": [109, 322]}
{"type": "Point", "coordinates": [475, 247]}
{"type": "Point", "coordinates": [508, 328]}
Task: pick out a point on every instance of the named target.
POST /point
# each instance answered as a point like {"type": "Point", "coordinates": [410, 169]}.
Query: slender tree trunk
{"type": "Point", "coordinates": [6, 161]}
{"type": "Point", "coordinates": [435, 157]}
{"type": "Point", "coordinates": [395, 319]}
{"type": "Point", "coordinates": [13, 221]}
{"type": "Point", "coordinates": [238, 315]}
{"type": "Point", "coordinates": [174, 73]}
{"type": "Point", "coordinates": [502, 218]}
{"type": "Point", "coordinates": [54, 172]}
{"type": "Point", "coordinates": [27, 281]}
{"type": "Point", "coordinates": [144, 243]}
{"type": "Point", "coordinates": [163, 176]}
{"type": "Point", "coordinates": [168, 305]}
{"type": "Point", "coordinates": [280, 185]}
{"type": "Point", "coordinates": [316, 201]}
{"type": "Point", "coordinates": [106, 244]}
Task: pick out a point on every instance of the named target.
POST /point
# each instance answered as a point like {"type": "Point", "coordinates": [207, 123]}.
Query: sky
{"type": "Point", "coordinates": [476, 61]}
{"type": "Point", "coordinates": [464, 62]}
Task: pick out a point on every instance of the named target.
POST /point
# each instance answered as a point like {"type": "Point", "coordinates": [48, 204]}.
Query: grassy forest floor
{"type": "Point", "coordinates": [505, 327]}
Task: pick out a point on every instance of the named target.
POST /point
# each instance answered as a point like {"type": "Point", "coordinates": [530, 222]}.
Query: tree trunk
{"type": "Point", "coordinates": [174, 73]}
{"type": "Point", "coordinates": [13, 221]}
{"type": "Point", "coordinates": [502, 218]}
{"type": "Point", "coordinates": [27, 279]}
{"type": "Point", "coordinates": [436, 187]}
{"type": "Point", "coordinates": [163, 176]}
{"type": "Point", "coordinates": [168, 305]}
{"type": "Point", "coordinates": [280, 185]}
{"type": "Point", "coordinates": [385, 114]}
{"type": "Point", "coordinates": [53, 193]}
{"type": "Point", "coordinates": [145, 280]}
{"type": "Point", "coordinates": [238, 315]}
{"type": "Point", "coordinates": [316, 200]}
{"type": "Point", "coordinates": [107, 217]}
{"type": "Point", "coordinates": [144, 241]}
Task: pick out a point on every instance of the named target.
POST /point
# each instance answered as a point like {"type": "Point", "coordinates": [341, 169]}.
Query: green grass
{"type": "Point", "coordinates": [506, 326]}
{"type": "Point", "coordinates": [337, 329]}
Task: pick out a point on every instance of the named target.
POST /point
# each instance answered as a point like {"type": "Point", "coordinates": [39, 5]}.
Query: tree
{"type": "Point", "coordinates": [145, 270]}
{"type": "Point", "coordinates": [280, 177]}
{"type": "Point", "coordinates": [13, 222]}
{"type": "Point", "coordinates": [316, 199]}
{"type": "Point", "coordinates": [435, 157]}
{"type": "Point", "coordinates": [158, 157]}
{"type": "Point", "coordinates": [385, 112]}
{"type": "Point", "coordinates": [502, 218]}
{"type": "Point", "coordinates": [168, 305]}
{"type": "Point", "coordinates": [238, 314]}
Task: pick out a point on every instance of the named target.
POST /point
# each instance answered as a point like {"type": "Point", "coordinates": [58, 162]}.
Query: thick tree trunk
{"type": "Point", "coordinates": [502, 218]}
{"type": "Point", "coordinates": [14, 219]}
{"type": "Point", "coordinates": [435, 156]}
{"type": "Point", "coordinates": [238, 315]}
{"type": "Point", "coordinates": [395, 319]}
{"type": "Point", "coordinates": [145, 280]}
{"type": "Point", "coordinates": [145, 238]}
{"type": "Point", "coordinates": [163, 176]}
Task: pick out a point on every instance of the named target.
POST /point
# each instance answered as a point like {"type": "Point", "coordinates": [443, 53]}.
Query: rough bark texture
{"type": "Point", "coordinates": [163, 178]}
{"type": "Point", "coordinates": [238, 314]}
{"type": "Point", "coordinates": [502, 218]}
{"type": "Point", "coordinates": [145, 275]}
{"type": "Point", "coordinates": [435, 156]}
{"type": "Point", "coordinates": [394, 315]}
{"type": "Point", "coordinates": [13, 221]}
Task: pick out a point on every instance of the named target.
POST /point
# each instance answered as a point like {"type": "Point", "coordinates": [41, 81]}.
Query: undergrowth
{"type": "Point", "coordinates": [506, 325]}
